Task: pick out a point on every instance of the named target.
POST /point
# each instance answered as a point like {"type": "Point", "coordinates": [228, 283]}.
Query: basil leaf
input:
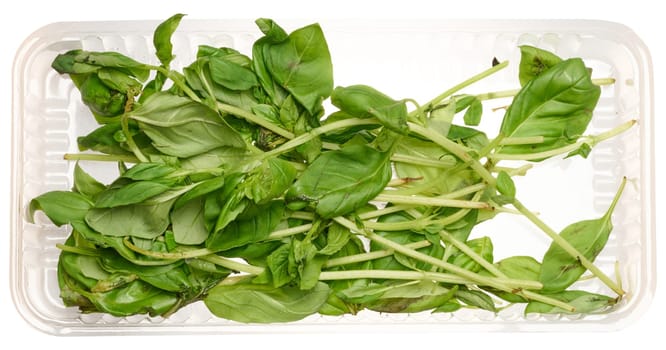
{"type": "Point", "coordinates": [362, 101]}
{"type": "Point", "coordinates": [473, 114]}
{"type": "Point", "coordinates": [162, 38]}
{"type": "Point", "coordinates": [559, 269]}
{"type": "Point", "coordinates": [61, 207]}
{"type": "Point", "coordinates": [254, 224]}
{"type": "Point", "coordinates": [557, 105]}
{"type": "Point", "coordinates": [231, 75]}
{"type": "Point", "coordinates": [86, 184]}
{"type": "Point", "coordinates": [132, 193]}
{"type": "Point", "coordinates": [482, 246]}
{"type": "Point", "coordinates": [188, 223]}
{"type": "Point", "coordinates": [181, 127]}
{"type": "Point", "coordinates": [143, 221]}
{"type": "Point", "coordinates": [254, 303]}
{"type": "Point", "coordinates": [339, 182]}
{"type": "Point", "coordinates": [301, 64]}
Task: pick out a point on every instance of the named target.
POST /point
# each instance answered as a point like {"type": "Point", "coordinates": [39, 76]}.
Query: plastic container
{"type": "Point", "coordinates": [403, 59]}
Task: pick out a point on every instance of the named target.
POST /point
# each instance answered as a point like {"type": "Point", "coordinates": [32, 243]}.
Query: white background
{"type": "Point", "coordinates": [22, 17]}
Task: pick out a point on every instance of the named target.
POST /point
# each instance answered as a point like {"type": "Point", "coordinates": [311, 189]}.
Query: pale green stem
{"type": "Point", "coordinates": [175, 255]}
{"type": "Point", "coordinates": [312, 134]}
{"type": "Point", "coordinates": [520, 171]}
{"type": "Point", "coordinates": [567, 247]}
{"type": "Point", "coordinates": [101, 157]}
{"type": "Point", "coordinates": [592, 141]}
{"type": "Point", "coordinates": [124, 124]}
{"type": "Point", "coordinates": [233, 265]}
{"type": "Point", "coordinates": [289, 232]}
{"type": "Point", "coordinates": [177, 80]}
{"type": "Point", "coordinates": [443, 163]}
{"type": "Point", "coordinates": [392, 274]}
{"type": "Point", "coordinates": [417, 112]}
{"type": "Point", "coordinates": [508, 285]}
{"type": "Point", "coordinates": [514, 92]}
{"type": "Point", "coordinates": [431, 201]}
{"type": "Point", "coordinates": [356, 258]}
{"type": "Point", "coordinates": [447, 237]}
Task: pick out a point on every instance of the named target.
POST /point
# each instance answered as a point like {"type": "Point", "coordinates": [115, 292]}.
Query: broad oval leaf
{"type": "Point", "coordinates": [257, 303]}
{"type": "Point", "coordinates": [363, 101]}
{"type": "Point", "coordinates": [341, 181]}
{"type": "Point", "coordinates": [181, 127]}
{"type": "Point", "coordinates": [302, 65]}
{"type": "Point", "coordinates": [557, 105]}
{"type": "Point", "coordinates": [143, 221]}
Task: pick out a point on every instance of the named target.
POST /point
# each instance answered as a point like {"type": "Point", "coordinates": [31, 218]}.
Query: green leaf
{"type": "Point", "coordinates": [477, 299]}
{"type": "Point", "coordinates": [111, 59]}
{"type": "Point", "coordinates": [301, 64]}
{"type": "Point", "coordinates": [103, 140]}
{"type": "Point", "coordinates": [279, 267]}
{"type": "Point", "coordinates": [253, 303]}
{"type": "Point", "coordinates": [134, 298]}
{"type": "Point", "coordinates": [520, 267]}
{"type": "Point", "coordinates": [148, 171]}
{"type": "Point", "coordinates": [339, 182]}
{"type": "Point", "coordinates": [505, 185]}
{"type": "Point", "coordinates": [473, 114]}
{"type": "Point", "coordinates": [231, 75]}
{"type": "Point", "coordinates": [181, 127]}
{"type": "Point", "coordinates": [362, 101]}
{"type": "Point", "coordinates": [131, 193]}
{"type": "Point", "coordinates": [188, 223]}
{"type": "Point", "coordinates": [469, 137]}
{"type": "Point", "coordinates": [162, 38]}
{"type": "Point", "coordinates": [102, 100]}
{"type": "Point", "coordinates": [557, 105]}
{"type": "Point", "coordinates": [85, 184]}
{"type": "Point", "coordinates": [254, 224]}
{"type": "Point", "coordinates": [119, 81]}
{"type": "Point", "coordinates": [270, 180]}
{"type": "Point", "coordinates": [337, 237]}
{"type": "Point", "coordinates": [201, 189]}
{"type": "Point", "coordinates": [583, 302]}
{"type": "Point", "coordinates": [428, 174]}
{"type": "Point", "coordinates": [143, 221]}
{"type": "Point", "coordinates": [533, 62]}
{"type": "Point", "coordinates": [61, 207]}
{"type": "Point", "coordinates": [560, 269]}
{"type": "Point", "coordinates": [517, 267]}
{"type": "Point", "coordinates": [260, 52]}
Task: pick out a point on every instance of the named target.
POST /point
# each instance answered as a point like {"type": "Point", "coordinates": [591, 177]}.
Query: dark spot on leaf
{"type": "Point", "coordinates": [495, 61]}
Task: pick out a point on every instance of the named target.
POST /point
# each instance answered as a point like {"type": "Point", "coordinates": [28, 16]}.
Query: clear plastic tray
{"type": "Point", "coordinates": [403, 59]}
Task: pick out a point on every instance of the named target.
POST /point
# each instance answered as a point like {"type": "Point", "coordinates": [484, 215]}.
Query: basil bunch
{"type": "Point", "coordinates": [235, 188]}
